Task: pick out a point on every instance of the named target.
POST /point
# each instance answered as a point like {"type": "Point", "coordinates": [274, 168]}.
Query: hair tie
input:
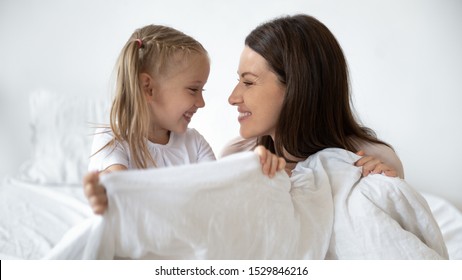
{"type": "Point", "coordinates": [140, 43]}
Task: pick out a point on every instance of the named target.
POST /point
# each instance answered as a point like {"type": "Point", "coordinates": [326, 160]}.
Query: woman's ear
{"type": "Point", "coordinates": [146, 84]}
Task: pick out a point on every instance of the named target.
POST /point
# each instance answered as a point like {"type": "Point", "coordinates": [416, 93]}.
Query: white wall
{"type": "Point", "coordinates": [405, 59]}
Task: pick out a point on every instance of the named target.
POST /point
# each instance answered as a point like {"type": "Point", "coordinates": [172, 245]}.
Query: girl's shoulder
{"type": "Point", "coordinates": [192, 134]}
{"type": "Point", "coordinates": [190, 137]}
{"type": "Point", "coordinates": [103, 134]}
{"type": "Point", "coordinates": [105, 131]}
{"type": "Point", "coordinates": [195, 144]}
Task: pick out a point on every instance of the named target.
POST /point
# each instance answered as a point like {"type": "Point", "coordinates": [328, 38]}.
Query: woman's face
{"type": "Point", "coordinates": [258, 96]}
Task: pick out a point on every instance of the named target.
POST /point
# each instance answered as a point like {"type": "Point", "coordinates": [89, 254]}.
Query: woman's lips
{"type": "Point", "coordinates": [243, 115]}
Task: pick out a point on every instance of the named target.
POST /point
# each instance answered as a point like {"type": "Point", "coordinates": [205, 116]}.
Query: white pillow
{"type": "Point", "coordinates": [62, 132]}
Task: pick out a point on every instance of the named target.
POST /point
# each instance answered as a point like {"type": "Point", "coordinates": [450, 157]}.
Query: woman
{"type": "Point", "coordinates": [293, 98]}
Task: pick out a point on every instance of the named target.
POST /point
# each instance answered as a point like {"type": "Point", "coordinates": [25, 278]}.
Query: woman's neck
{"type": "Point", "coordinates": [291, 161]}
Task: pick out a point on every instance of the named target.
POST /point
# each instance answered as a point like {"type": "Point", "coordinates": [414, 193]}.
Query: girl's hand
{"type": "Point", "coordinates": [269, 161]}
{"type": "Point", "coordinates": [95, 193]}
{"type": "Point", "coordinates": [372, 165]}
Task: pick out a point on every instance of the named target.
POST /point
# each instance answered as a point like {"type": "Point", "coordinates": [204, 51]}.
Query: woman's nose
{"type": "Point", "coordinates": [235, 96]}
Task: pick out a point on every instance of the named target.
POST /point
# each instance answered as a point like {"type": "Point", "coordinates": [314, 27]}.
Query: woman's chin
{"type": "Point", "coordinates": [247, 134]}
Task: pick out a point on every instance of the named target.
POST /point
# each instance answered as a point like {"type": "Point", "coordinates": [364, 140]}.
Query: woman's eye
{"type": "Point", "coordinates": [246, 83]}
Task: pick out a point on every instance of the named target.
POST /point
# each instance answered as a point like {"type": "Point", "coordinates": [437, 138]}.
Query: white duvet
{"type": "Point", "coordinates": [229, 210]}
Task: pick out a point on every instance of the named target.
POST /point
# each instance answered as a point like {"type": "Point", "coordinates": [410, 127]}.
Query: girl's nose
{"type": "Point", "coordinates": [200, 103]}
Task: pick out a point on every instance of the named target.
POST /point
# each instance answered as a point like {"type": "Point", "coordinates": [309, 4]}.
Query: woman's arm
{"type": "Point", "coordinates": [375, 158]}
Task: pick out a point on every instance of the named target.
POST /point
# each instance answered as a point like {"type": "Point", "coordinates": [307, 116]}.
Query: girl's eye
{"type": "Point", "coordinates": [195, 90]}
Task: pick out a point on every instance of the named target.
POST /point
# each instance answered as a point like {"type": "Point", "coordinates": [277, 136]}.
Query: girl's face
{"type": "Point", "coordinates": [177, 95]}
{"type": "Point", "coordinates": [258, 96]}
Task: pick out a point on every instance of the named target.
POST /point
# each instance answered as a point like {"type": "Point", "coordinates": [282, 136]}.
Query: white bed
{"type": "Point", "coordinates": [44, 200]}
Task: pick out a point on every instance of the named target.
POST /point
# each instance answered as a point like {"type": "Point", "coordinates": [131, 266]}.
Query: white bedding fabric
{"type": "Point", "coordinates": [229, 210]}
{"type": "Point", "coordinates": [218, 210]}
{"type": "Point", "coordinates": [377, 217]}
{"type": "Point", "coordinates": [33, 218]}
{"type": "Point", "coordinates": [449, 219]}
{"type": "Point", "coordinates": [62, 129]}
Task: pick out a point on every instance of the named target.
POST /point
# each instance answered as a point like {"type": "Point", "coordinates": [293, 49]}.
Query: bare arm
{"type": "Point", "coordinates": [95, 192]}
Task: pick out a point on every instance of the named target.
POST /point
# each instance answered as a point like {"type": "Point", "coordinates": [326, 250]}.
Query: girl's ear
{"type": "Point", "coordinates": [146, 84]}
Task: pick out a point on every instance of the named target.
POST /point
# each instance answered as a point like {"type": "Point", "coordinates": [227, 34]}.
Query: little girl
{"type": "Point", "coordinates": [161, 73]}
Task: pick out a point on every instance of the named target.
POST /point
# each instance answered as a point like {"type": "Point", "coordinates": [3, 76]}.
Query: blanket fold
{"type": "Point", "coordinates": [229, 210]}
{"type": "Point", "coordinates": [376, 217]}
{"type": "Point", "coordinates": [216, 210]}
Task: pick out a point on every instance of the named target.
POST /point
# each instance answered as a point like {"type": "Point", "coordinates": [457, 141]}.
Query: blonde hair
{"type": "Point", "coordinates": [151, 49]}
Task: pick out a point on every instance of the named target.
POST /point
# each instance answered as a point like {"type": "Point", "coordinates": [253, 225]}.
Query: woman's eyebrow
{"type": "Point", "coordinates": [248, 73]}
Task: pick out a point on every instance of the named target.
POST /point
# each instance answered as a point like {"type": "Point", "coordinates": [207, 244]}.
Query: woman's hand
{"type": "Point", "coordinates": [270, 162]}
{"type": "Point", "coordinates": [372, 165]}
{"type": "Point", "coordinates": [95, 193]}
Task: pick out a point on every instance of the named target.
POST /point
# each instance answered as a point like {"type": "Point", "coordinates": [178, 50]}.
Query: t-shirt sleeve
{"type": "Point", "coordinates": [204, 151]}
{"type": "Point", "coordinates": [101, 158]}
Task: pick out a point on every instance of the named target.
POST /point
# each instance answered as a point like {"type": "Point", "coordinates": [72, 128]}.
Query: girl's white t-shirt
{"type": "Point", "coordinates": [185, 148]}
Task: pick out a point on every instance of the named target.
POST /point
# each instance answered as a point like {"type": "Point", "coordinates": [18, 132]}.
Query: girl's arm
{"type": "Point", "coordinates": [95, 192]}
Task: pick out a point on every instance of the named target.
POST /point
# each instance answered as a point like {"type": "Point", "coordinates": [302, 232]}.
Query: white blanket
{"type": "Point", "coordinates": [376, 217]}
{"type": "Point", "coordinates": [229, 210]}
{"type": "Point", "coordinates": [217, 210]}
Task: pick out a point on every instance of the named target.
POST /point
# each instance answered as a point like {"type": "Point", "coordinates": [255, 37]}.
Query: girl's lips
{"type": "Point", "coordinates": [243, 115]}
{"type": "Point", "coordinates": [188, 116]}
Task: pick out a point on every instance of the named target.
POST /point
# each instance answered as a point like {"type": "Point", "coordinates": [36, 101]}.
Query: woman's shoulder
{"type": "Point", "coordinates": [238, 144]}
{"type": "Point", "coordinates": [384, 153]}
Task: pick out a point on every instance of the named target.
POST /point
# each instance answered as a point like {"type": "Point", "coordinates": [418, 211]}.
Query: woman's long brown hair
{"type": "Point", "coordinates": [316, 112]}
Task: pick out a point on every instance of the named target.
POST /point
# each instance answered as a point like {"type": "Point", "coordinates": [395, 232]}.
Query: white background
{"type": "Point", "coordinates": [405, 60]}
{"type": "Point", "coordinates": [146, 269]}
